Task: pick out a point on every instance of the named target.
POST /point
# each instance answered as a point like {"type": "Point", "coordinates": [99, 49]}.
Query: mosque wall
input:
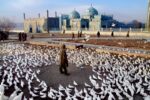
{"type": "Point", "coordinates": [35, 25]}
{"type": "Point", "coordinates": [53, 23]}
{"type": "Point", "coordinates": [41, 25]}
{"type": "Point", "coordinates": [75, 24]}
{"type": "Point", "coordinates": [90, 21]}
{"type": "Point", "coordinates": [95, 24]}
{"type": "Point", "coordinates": [108, 33]}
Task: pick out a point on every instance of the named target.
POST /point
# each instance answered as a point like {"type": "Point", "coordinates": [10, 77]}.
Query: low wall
{"type": "Point", "coordinates": [108, 33]}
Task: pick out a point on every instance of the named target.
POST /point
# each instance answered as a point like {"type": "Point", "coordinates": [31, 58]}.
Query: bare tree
{"type": "Point", "coordinates": [6, 24]}
{"type": "Point", "coordinates": [136, 24]}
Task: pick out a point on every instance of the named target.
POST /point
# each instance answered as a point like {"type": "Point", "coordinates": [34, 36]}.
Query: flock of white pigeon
{"type": "Point", "coordinates": [116, 77]}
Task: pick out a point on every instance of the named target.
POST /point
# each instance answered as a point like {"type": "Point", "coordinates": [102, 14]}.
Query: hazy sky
{"type": "Point", "coordinates": [123, 10]}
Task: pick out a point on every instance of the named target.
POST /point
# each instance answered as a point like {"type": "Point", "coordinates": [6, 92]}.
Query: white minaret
{"type": "Point", "coordinates": [24, 16]}
{"type": "Point", "coordinates": [148, 17]}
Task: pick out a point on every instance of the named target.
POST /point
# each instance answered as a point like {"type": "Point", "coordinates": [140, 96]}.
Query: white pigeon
{"type": "Point", "coordinates": [32, 94]}
{"type": "Point", "coordinates": [94, 83]}
{"type": "Point", "coordinates": [51, 94]}
{"type": "Point", "coordinates": [38, 71]}
{"type": "Point", "coordinates": [70, 86]}
{"type": "Point", "coordinates": [18, 97]}
{"type": "Point", "coordinates": [61, 87]}
{"type": "Point", "coordinates": [87, 85]}
{"type": "Point", "coordinates": [1, 95]}
{"type": "Point", "coordinates": [146, 98]}
{"type": "Point", "coordinates": [94, 77]}
{"type": "Point", "coordinates": [22, 84]}
{"type": "Point", "coordinates": [13, 95]}
{"type": "Point", "coordinates": [75, 83]}
{"type": "Point", "coordinates": [99, 78]}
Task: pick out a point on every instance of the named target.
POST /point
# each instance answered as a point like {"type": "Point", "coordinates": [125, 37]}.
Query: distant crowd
{"type": "Point", "coordinates": [4, 35]}
{"type": "Point", "coordinates": [22, 36]}
{"type": "Point", "coordinates": [112, 34]}
{"type": "Point", "coordinates": [97, 34]}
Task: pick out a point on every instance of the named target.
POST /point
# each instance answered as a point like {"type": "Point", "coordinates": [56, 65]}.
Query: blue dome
{"type": "Point", "coordinates": [75, 15]}
{"type": "Point", "coordinates": [92, 12]}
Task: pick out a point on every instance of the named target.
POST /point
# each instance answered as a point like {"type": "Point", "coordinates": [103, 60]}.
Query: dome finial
{"type": "Point", "coordinates": [91, 5]}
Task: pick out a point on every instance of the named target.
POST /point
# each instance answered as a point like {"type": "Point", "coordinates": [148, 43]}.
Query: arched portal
{"type": "Point", "coordinates": [30, 29]}
{"type": "Point", "coordinates": [38, 29]}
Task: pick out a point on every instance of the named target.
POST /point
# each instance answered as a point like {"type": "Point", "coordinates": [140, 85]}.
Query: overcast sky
{"type": "Point", "coordinates": [122, 10]}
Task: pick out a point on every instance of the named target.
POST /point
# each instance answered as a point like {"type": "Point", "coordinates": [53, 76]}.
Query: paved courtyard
{"type": "Point", "coordinates": [32, 72]}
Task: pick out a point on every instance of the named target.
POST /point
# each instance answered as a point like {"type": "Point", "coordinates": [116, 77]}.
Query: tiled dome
{"type": "Point", "coordinates": [92, 12]}
{"type": "Point", "coordinates": [75, 15]}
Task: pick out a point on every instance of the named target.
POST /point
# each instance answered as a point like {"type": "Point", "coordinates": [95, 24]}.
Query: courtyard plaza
{"type": "Point", "coordinates": [31, 71]}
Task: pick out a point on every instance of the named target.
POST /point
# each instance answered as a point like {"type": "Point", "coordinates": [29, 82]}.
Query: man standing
{"type": "Point", "coordinates": [3, 36]}
{"type": "Point", "coordinates": [25, 36]}
{"type": "Point", "coordinates": [0, 35]}
{"type": "Point", "coordinates": [78, 34]}
{"type": "Point", "coordinates": [128, 34]}
{"type": "Point", "coordinates": [112, 33]}
{"type": "Point", "coordinates": [19, 36]}
{"type": "Point", "coordinates": [63, 61]}
{"type": "Point", "coordinates": [63, 31]}
{"type": "Point", "coordinates": [73, 36]}
{"type": "Point", "coordinates": [98, 34]}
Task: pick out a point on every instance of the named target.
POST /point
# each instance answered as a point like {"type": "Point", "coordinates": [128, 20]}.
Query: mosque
{"type": "Point", "coordinates": [91, 20]}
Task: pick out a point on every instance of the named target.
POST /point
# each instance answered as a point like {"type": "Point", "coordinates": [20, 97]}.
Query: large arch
{"type": "Point", "coordinates": [38, 29]}
{"type": "Point", "coordinates": [30, 29]}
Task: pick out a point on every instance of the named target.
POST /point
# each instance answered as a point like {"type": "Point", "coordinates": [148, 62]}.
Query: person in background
{"type": "Point", "coordinates": [73, 36]}
{"type": "Point", "coordinates": [78, 34]}
{"type": "Point", "coordinates": [128, 34]}
{"type": "Point", "coordinates": [63, 31]}
{"type": "Point", "coordinates": [112, 33]}
{"type": "Point", "coordinates": [19, 36]}
{"type": "Point", "coordinates": [98, 34]}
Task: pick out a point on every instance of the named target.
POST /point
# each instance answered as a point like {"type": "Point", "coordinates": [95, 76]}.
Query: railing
{"type": "Point", "coordinates": [86, 29]}
{"type": "Point", "coordinates": [109, 29]}
{"type": "Point", "coordinates": [125, 29]}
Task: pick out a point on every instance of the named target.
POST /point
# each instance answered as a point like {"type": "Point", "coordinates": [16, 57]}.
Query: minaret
{"type": "Point", "coordinates": [91, 5]}
{"type": "Point", "coordinates": [55, 14]}
{"type": "Point", "coordinates": [39, 15]}
{"type": "Point", "coordinates": [148, 17]}
{"type": "Point", "coordinates": [24, 16]}
{"type": "Point", "coordinates": [47, 13]}
{"type": "Point", "coordinates": [47, 21]}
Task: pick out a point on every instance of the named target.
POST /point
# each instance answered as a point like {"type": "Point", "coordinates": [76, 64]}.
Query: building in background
{"type": "Point", "coordinates": [91, 21]}
{"type": "Point", "coordinates": [41, 25]}
{"type": "Point", "coordinates": [107, 21]}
